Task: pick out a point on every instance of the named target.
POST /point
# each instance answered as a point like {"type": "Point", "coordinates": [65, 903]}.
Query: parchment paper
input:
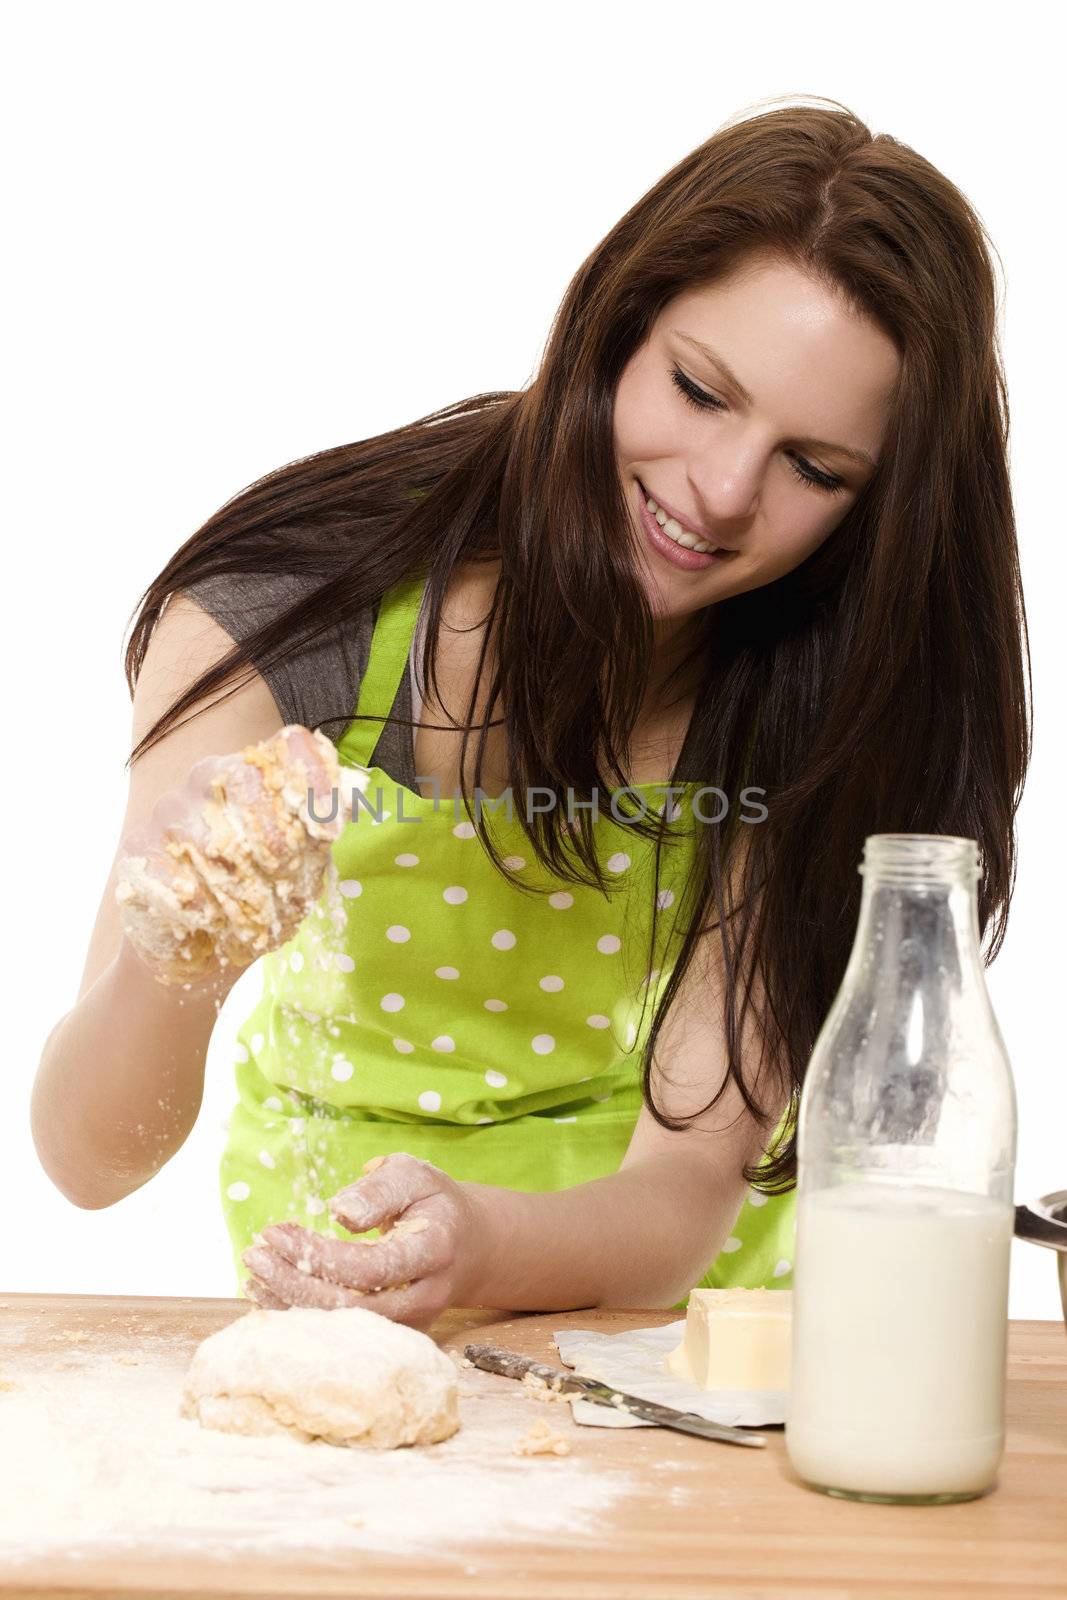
{"type": "Point", "coordinates": [633, 1362]}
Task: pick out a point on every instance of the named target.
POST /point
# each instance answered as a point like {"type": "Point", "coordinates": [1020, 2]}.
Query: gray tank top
{"type": "Point", "coordinates": [319, 684]}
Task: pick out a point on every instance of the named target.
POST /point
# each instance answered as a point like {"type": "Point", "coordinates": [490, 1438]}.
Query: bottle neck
{"type": "Point", "coordinates": [919, 908]}
{"type": "Point", "coordinates": [909, 1081]}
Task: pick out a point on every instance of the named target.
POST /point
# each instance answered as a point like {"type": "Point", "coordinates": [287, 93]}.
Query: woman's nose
{"type": "Point", "coordinates": [726, 487]}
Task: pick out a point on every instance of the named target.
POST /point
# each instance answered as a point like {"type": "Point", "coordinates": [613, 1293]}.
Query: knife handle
{"type": "Point", "coordinates": [509, 1364]}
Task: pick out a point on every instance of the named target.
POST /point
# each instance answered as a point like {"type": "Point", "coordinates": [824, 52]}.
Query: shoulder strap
{"type": "Point", "coordinates": [389, 647]}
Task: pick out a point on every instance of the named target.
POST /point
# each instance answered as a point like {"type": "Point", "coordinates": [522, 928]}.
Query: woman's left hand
{"type": "Point", "coordinates": [427, 1258]}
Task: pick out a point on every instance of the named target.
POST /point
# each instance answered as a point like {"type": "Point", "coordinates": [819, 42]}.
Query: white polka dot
{"type": "Point", "coordinates": [485, 1119]}
{"type": "Point", "coordinates": [430, 1100]}
{"type": "Point", "coordinates": [345, 963]}
{"type": "Point", "coordinates": [239, 1190]}
{"type": "Point", "coordinates": [446, 972]}
{"type": "Point", "coordinates": [444, 1041]}
{"type": "Point", "coordinates": [266, 1159]}
{"type": "Point", "coordinates": [351, 888]}
{"type": "Point", "coordinates": [342, 1069]}
{"type": "Point", "coordinates": [405, 1046]}
{"type": "Point", "coordinates": [552, 984]}
{"type": "Point", "coordinates": [242, 1052]}
{"type": "Point", "coordinates": [560, 901]}
{"type": "Point", "coordinates": [496, 1005]}
{"type": "Point", "coordinates": [730, 1246]}
{"type": "Point", "coordinates": [503, 939]}
{"type": "Point", "coordinates": [618, 862]}
{"type": "Point", "coordinates": [407, 860]}
{"type": "Point", "coordinates": [598, 1020]}
{"type": "Point", "coordinates": [608, 944]}
{"type": "Point", "coordinates": [257, 1043]}
{"type": "Point", "coordinates": [600, 1098]}
{"type": "Point", "coordinates": [296, 961]}
{"type": "Point", "coordinates": [564, 1119]}
{"type": "Point", "coordinates": [631, 1035]}
{"type": "Point", "coordinates": [543, 1043]}
{"type": "Point", "coordinates": [496, 1080]}
{"type": "Point", "coordinates": [672, 811]}
{"type": "Point", "coordinates": [665, 898]}
{"type": "Point", "coordinates": [514, 863]}
{"type": "Point", "coordinates": [272, 1103]}
{"type": "Point", "coordinates": [781, 1268]}
{"type": "Point", "coordinates": [463, 830]}
{"type": "Point", "coordinates": [455, 894]}
{"type": "Point", "coordinates": [649, 978]}
{"type": "Point", "coordinates": [315, 1204]}
{"type": "Point", "coordinates": [756, 1199]}
{"type": "Point", "coordinates": [297, 1125]}
{"type": "Point", "coordinates": [392, 1002]}
{"type": "Point", "coordinates": [398, 933]}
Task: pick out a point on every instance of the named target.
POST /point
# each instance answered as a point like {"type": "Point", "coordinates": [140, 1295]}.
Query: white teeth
{"type": "Point", "coordinates": [675, 531]}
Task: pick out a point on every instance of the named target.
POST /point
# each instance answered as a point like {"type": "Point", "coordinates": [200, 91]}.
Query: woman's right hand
{"type": "Point", "coordinates": [205, 883]}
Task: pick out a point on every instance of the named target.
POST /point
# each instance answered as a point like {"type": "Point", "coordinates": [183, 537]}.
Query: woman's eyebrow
{"type": "Point", "coordinates": [717, 361]}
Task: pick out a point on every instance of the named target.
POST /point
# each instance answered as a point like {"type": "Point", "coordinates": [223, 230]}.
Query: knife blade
{"type": "Point", "coordinates": [509, 1364]}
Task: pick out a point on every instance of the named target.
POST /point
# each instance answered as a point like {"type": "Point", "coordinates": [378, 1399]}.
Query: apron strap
{"type": "Point", "coordinates": [394, 628]}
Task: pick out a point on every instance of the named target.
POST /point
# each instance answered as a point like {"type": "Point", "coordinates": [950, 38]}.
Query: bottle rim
{"type": "Point", "coordinates": [926, 856]}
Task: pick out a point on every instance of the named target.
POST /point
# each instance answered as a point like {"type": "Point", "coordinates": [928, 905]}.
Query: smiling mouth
{"type": "Point", "coordinates": [670, 528]}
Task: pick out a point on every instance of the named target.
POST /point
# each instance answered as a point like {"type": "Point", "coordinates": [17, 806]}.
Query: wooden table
{"type": "Point", "coordinates": [739, 1525]}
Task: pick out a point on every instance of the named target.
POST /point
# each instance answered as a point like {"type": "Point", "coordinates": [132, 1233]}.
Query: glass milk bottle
{"type": "Point", "coordinates": [905, 1213]}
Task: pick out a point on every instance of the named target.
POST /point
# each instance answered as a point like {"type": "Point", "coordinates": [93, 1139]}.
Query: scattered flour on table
{"type": "Point", "coordinates": [105, 1463]}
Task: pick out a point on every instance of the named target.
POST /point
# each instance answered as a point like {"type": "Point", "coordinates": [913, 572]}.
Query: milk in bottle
{"type": "Point", "coordinates": [906, 1153]}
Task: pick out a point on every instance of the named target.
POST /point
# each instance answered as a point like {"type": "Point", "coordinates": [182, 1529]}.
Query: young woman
{"type": "Point", "coordinates": [749, 530]}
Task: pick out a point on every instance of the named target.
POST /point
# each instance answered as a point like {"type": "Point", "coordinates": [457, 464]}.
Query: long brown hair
{"type": "Point", "coordinates": [881, 686]}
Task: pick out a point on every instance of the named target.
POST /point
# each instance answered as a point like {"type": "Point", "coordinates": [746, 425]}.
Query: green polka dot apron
{"type": "Point", "coordinates": [428, 1004]}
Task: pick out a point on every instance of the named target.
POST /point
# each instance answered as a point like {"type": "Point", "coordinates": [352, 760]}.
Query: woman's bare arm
{"type": "Point", "coordinates": [121, 1076]}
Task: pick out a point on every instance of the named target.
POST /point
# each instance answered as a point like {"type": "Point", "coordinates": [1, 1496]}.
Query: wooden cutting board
{"type": "Point", "coordinates": [634, 1512]}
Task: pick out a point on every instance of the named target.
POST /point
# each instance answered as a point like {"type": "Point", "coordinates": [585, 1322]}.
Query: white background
{"type": "Point", "coordinates": [241, 233]}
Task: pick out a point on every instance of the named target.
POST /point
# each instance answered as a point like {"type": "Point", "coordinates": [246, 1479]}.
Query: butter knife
{"type": "Point", "coordinates": [509, 1364]}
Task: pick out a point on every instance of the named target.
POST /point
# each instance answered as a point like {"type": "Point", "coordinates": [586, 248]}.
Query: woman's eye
{"type": "Point", "coordinates": [695, 396]}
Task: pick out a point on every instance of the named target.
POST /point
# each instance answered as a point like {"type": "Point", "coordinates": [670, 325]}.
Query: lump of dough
{"type": "Point", "coordinates": [244, 892]}
{"type": "Point", "coordinates": [348, 1377]}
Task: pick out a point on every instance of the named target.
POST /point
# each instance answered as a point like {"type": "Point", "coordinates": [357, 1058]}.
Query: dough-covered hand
{"type": "Point", "coordinates": [426, 1259]}
{"type": "Point", "coordinates": [231, 862]}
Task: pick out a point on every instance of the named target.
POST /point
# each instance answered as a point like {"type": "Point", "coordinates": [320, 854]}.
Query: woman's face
{"type": "Point", "coordinates": [760, 442]}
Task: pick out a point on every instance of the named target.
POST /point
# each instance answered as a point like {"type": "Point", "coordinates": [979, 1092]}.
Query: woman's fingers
{"type": "Point", "coordinates": [302, 747]}
{"type": "Point", "coordinates": [295, 1288]}
{"type": "Point", "coordinates": [257, 1290]}
{"type": "Point", "coordinates": [414, 1248]}
{"type": "Point", "coordinates": [406, 1274]}
{"type": "Point", "coordinates": [389, 1186]}
{"type": "Point", "coordinates": [416, 1304]}
{"type": "Point", "coordinates": [202, 772]}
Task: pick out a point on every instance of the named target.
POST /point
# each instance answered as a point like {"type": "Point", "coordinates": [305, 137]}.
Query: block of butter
{"type": "Point", "coordinates": [735, 1339]}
